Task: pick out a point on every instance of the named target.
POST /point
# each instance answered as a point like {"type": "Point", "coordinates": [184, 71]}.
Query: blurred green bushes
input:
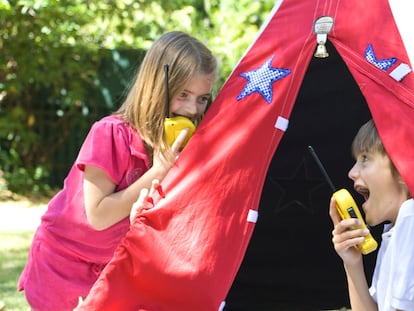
{"type": "Point", "coordinates": [66, 63]}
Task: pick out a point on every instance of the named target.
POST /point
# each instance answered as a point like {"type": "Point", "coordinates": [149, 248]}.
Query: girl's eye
{"type": "Point", "coordinates": [183, 95]}
{"type": "Point", "coordinates": [204, 99]}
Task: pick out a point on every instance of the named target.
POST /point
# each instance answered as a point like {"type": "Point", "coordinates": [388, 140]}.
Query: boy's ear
{"type": "Point", "coordinates": [404, 185]}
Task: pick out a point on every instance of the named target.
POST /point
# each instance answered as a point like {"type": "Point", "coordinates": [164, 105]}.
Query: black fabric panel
{"type": "Point", "coordinates": [290, 263]}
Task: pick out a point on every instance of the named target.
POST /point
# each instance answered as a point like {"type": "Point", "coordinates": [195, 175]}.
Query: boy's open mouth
{"type": "Point", "coordinates": [363, 191]}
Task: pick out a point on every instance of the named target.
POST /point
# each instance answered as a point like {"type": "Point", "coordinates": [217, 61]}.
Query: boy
{"type": "Point", "coordinates": [387, 200]}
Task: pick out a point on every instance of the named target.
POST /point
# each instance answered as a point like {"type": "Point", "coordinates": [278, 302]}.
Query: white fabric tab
{"type": "Point", "coordinates": [221, 308]}
{"type": "Point", "coordinates": [321, 38]}
{"type": "Point", "coordinates": [252, 216]}
{"type": "Point", "coordinates": [400, 72]}
{"type": "Point", "coordinates": [282, 123]}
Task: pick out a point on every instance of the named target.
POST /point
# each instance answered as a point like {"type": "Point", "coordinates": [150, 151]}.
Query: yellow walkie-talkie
{"type": "Point", "coordinates": [347, 208]}
{"type": "Point", "coordinates": [173, 126]}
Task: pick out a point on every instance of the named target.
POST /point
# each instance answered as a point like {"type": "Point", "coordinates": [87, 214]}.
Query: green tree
{"type": "Point", "coordinates": [57, 57]}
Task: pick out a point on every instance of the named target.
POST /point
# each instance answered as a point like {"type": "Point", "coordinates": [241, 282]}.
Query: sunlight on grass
{"type": "Point", "coordinates": [13, 254]}
{"type": "Point", "coordinates": [14, 247]}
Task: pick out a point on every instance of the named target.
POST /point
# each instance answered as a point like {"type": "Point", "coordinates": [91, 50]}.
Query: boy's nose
{"type": "Point", "coordinates": [353, 173]}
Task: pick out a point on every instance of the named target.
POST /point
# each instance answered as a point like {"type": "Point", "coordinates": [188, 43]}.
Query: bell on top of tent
{"type": "Point", "coordinates": [322, 27]}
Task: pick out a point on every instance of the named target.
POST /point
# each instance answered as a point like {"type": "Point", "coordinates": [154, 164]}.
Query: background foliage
{"type": "Point", "coordinates": [66, 63]}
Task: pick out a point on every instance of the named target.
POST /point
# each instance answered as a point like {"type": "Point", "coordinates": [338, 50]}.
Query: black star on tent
{"type": "Point", "coordinates": [297, 189]}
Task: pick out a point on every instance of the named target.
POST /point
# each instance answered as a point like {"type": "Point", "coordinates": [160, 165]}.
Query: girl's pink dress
{"type": "Point", "coordinates": [67, 254]}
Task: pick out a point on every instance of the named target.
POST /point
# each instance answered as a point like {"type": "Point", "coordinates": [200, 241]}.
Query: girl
{"type": "Point", "coordinates": [387, 200]}
{"type": "Point", "coordinates": [122, 154]}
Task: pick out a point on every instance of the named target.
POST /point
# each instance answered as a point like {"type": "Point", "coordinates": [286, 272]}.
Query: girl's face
{"type": "Point", "coordinates": [383, 191]}
{"type": "Point", "coordinates": [191, 102]}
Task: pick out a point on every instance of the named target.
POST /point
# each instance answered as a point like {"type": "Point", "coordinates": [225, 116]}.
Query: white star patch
{"type": "Point", "coordinates": [261, 80]}
{"type": "Point", "coordinates": [383, 64]}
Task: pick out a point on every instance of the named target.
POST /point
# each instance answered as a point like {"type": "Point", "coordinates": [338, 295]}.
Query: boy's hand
{"type": "Point", "coordinates": [345, 238]}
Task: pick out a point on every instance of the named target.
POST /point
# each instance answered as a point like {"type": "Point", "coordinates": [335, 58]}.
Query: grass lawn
{"type": "Point", "coordinates": [14, 246]}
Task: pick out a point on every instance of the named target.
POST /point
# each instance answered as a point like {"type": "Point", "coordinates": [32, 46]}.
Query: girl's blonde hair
{"type": "Point", "coordinates": [145, 106]}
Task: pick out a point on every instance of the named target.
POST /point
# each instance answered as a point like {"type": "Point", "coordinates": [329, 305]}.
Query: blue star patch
{"type": "Point", "coordinates": [261, 80]}
{"type": "Point", "coordinates": [383, 64]}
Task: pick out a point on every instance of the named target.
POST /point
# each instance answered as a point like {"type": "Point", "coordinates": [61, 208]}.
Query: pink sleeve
{"type": "Point", "coordinates": [107, 147]}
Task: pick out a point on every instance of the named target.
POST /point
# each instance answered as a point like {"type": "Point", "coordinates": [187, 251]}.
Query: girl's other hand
{"type": "Point", "coordinates": [145, 200]}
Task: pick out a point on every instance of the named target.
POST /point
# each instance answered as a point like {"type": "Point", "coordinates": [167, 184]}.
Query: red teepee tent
{"type": "Point", "coordinates": [184, 254]}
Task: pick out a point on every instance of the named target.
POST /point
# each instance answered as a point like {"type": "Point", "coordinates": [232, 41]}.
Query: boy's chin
{"type": "Point", "coordinates": [371, 222]}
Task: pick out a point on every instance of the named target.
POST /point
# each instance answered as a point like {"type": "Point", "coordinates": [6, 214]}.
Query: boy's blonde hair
{"type": "Point", "coordinates": [368, 140]}
{"type": "Point", "coordinates": [145, 106]}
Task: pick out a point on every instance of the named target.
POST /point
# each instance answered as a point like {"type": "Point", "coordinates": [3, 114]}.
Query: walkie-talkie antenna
{"type": "Point", "coordinates": [167, 95]}
{"type": "Point", "coordinates": [322, 168]}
